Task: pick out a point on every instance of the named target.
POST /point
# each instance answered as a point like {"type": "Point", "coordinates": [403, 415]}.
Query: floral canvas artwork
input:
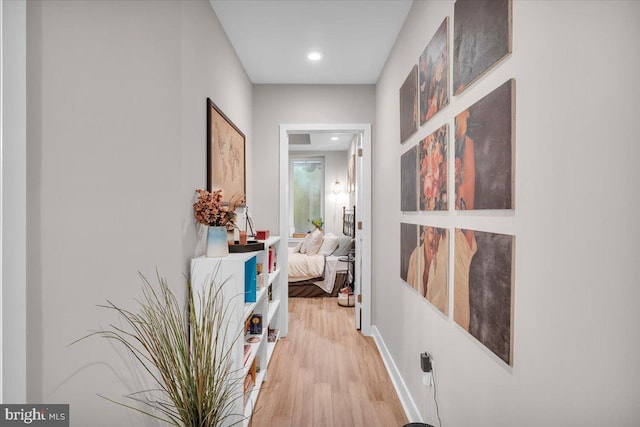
{"type": "Point", "coordinates": [409, 105]}
{"type": "Point", "coordinates": [408, 245]}
{"type": "Point", "coordinates": [483, 288]}
{"type": "Point", "coordinates": [434, 73]}
{"type": "Point", "coordinates": [409, 180]}
{"type": "Point", "coordinates": [484, 152]}
{"type": "Point", "coordinates": [482, 37]}
{"type": "Point", "coordinates": [433, 171]}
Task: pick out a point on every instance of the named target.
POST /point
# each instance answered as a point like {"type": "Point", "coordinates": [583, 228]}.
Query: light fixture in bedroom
{"type": "Point", "coordinates": [337, 187]}
{"type": "Point", "coordinates": [314, 56]}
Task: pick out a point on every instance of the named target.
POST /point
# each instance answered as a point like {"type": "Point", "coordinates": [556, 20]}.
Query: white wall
{"type": "Point", "coordinates": [296, 104]}
{"type": "Point", "coordinates": [576, 66]}
{"type": "Point", "coordinates": [116, 147]}
{"type": "Point", "coordinates": [13, 203]}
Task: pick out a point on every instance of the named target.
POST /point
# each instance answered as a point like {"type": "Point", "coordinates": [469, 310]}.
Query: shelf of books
{"type": "Point", "coordinates": [259, 317]}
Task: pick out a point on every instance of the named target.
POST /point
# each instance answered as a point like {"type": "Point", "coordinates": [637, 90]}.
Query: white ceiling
{"type": "Point", "coordinates": [272, 38]}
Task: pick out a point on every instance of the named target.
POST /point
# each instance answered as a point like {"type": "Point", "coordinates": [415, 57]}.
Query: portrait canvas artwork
{"type": "Point", "coordinates": [433, 171]}
{"type": "Point", "coordinates": [408, 245]}
{"type": "Point", "coordinates": [482, 37]}
{"type": "Point", "coordinates": [409, 180]}
{"type": "Point", "coordinates": [484, 152]}
{"type": "Point", "coordinates": [409, 105]}
{"type": "Point", "coordinates": [432, 256]}
{"type": "Point", "coordinates": [483, 288]}
{"type": "Point", "coordinates": [225, 154]}
{"type": "Point", "coordinates": [434, 73]}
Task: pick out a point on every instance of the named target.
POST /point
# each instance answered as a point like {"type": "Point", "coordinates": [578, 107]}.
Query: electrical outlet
{"type": "Point", "coordinates": [425, 362]}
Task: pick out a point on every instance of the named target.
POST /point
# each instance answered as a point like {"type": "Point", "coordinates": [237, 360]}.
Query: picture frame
{"type": "Point", "coordinates": [409, 105]}
{"type": "Point", "coordinates": [226, 160]}
{"type": "Point", "coordinates": [434, 73]}
{"type": "Point", "coordinates": [483, 37]}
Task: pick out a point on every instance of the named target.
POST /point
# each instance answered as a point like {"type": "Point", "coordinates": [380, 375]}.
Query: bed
{"type": "Point", "coordinates": [319, 266]}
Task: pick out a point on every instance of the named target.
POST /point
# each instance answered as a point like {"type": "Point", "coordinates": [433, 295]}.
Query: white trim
{"type": "Point", "coordinates": [363, 213]}
{"type": "Point", "coordinates": [408, 404]}
{"type": "Point", "coordinates": [13, 205]}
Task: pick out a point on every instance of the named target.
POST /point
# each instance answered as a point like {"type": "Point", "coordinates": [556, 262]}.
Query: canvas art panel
{"type": "Point", "coordinates": [409, 180]}
{"type": "Point", "coordinates": [408, 245]}
{"type": "Point", "coordinates": [482, 38]}
{"type": "Point", "coordinates": [484, 152]}
{"type": "Point", "coordinates": [225, 154]}
{"type": "Point", "coordinates": [433, 171]}
{"type": "Point", "coordinates": [434, 73]}
{"type": "Point", "coordinates": [483, 288]}
{"type": "Point", "coordinates": [409, 105]}
{"type": "Point", "coordinates": [433, 266]}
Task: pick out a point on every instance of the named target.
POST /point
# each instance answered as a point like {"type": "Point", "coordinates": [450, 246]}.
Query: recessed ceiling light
{"type": "Point", "coordinates": [334, 138]}
{"type": "Point", "coordinates": [314, 56]}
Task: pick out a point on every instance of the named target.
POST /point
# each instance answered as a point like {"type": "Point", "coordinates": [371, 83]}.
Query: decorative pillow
{"type": "Point", "coordinates": [314, 243]}
{"type": "Point", "coordinates": [329, 244]}
{"type": "Point", "coordinates": [344, 246]}
{"type": "Point", "coordinates": [304, 245]}
{"type": "Point", "coordinates": [296, 249]}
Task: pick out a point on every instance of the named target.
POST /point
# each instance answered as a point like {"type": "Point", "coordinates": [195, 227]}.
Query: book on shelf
{"type": "Point", "coordinates": [256, 324]}
{"type": "Point", "coordinates": [247, 353]}
{"type": "Point", "coordinates": [273, 259]}
{"type": "Point", "coordinates": [272, 335]}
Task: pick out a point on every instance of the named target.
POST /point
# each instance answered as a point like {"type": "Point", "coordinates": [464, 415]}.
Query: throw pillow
{"type": "Point", "coordinates": [314, 243]}
{"type": "Point", "coordinates": [329, 244]}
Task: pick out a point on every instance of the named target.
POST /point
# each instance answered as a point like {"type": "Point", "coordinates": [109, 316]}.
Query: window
{"type": "Point", "coordinates": [307, 191]}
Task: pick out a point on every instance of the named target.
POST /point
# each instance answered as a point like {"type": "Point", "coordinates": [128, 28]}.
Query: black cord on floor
{"type": "Point", "coordinates": [435, 397]}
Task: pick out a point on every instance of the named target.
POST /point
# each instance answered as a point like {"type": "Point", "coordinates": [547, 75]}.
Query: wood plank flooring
{"type": "Point", "coordinates": [326, 373]}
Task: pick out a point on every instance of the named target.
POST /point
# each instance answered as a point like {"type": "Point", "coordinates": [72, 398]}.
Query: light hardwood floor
{"type": "Point", "coordinates": [326, 373]}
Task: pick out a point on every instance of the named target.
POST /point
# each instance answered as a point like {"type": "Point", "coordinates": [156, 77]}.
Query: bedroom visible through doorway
{"type": "Point", "coordinates": [334, 160]}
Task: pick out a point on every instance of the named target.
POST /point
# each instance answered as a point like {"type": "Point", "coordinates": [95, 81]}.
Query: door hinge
{"type": "Point", "coordinates": [359, 298]}
{"type": "Point", "coordinates": [359, 225]}
{"type": "Point", "coordinates": [359, 152]}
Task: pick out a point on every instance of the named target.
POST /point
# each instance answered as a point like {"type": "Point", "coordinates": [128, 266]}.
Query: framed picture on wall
{"type": "Point", "coordinates": [225, 154]}
{"type": "Point", "coordinates": [409, 105]}
{"type": "Point", "coordinates": [434, 73]}
{"type": "Point", "coordinates": [483, 282]}
{"type": "Point", "coordinates": [409, 181]}
{"type": "Point", "coordinates": [482, 38]}
{"type": "Point", "coordinates": [484, 151]}
{"type": "Point", "coordinates": [433, 163]}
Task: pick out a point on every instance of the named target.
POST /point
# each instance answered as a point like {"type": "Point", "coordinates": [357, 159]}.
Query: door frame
{"type": "Point", "coordinates": [363, 203]}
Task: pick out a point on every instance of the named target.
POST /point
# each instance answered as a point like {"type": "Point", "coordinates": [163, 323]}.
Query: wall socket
{"type": "Point", "coordinates": [425, 362]}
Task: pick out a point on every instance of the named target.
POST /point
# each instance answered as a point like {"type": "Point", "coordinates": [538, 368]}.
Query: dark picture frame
{"type": "Point", "coordinates": [484, 276]}
{"type": "Point", "coordinates": [482, 39]}
{"type": "Point", "coordinates": [409, 181]}
{"type": "Point", "coordinates": [226, 156]}
{"type": "Point", "coordinates": [484, 148]}
{"type": "Point", "coordinates": [409, 105]}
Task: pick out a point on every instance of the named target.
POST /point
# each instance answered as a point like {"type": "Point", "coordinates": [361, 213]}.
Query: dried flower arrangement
{"type": "Point", "coordinates": [209, 209]}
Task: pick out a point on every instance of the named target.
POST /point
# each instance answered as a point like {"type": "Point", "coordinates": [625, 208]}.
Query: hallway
{"type": "Point", "coordinates": [325, 373]}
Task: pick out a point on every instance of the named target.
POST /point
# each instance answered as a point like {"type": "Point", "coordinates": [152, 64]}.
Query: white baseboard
{"type": "Point", "coordinates": [408, 404]}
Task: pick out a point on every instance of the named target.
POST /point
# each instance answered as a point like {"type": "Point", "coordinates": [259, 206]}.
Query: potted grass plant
{"type": "Point", "coordinates": [187, 352]}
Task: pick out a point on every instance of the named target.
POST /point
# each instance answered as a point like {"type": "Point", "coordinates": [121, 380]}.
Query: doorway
{"type": "Point", "coordinates": [362, 177]}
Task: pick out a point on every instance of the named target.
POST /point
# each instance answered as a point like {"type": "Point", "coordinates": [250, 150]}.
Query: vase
{"type": "Point", "coordinates": [217, 245]}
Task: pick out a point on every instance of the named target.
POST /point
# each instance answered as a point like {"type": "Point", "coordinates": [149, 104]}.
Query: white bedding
{"type": "Point", "coordinates": [304, 267]}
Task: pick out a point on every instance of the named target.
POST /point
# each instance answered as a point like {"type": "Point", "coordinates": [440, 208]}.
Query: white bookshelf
{"type": "Point", "coordinates": [229, 272]}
